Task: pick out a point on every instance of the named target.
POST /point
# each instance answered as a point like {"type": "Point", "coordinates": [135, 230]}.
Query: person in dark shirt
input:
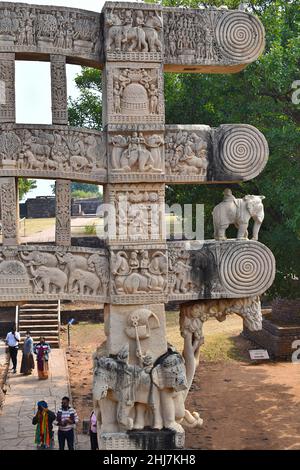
{"type": "Point", "coordinates": [44, 418]}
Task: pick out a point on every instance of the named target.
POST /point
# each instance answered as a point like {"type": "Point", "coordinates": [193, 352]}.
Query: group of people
{"type": "Point", "coordinates": [66, 419]}
{"type": "Point", "coordinates": [41, 349]}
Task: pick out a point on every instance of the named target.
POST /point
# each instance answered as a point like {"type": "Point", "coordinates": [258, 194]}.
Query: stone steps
{"type": "Point", "coordinates": [41, 319]}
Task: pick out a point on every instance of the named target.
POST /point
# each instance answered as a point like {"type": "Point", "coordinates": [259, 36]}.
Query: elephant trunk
{"type": "Point", "coordinates": [33, 272]}
{"type": "Point", "coordinates": [27, 257]}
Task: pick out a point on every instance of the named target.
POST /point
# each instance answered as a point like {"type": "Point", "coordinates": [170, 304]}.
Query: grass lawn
{"type": "Point", "coordinates": [222, 340]}
{"type": "Point", "coordinates": [33, 226]}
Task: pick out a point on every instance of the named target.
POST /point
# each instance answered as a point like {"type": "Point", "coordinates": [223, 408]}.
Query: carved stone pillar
{"type": "Point", "coordinates": [9, 211]}
{"type": "Point", "coordinates": [63, 212]}
{"type": "Point", "coordinates": [59, 89]}
{"type": "Point", "coordinates": [7, 88]}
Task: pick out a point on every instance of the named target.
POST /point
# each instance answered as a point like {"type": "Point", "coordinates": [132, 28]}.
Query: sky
{"type": "Point", "coordinates": [33, 95]}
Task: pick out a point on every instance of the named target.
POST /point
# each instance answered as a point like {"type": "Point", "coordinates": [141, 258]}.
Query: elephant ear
{"type": "Point", "coordinates": [157, 377]}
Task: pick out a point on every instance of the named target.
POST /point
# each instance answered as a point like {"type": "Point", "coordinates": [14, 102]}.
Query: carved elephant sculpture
{"type": "Point", "coordinates": [44, 277]}
{"type": "Point", "coordinates": [39, 258]}
{"type": "Point", "coordinates": [238, 212]}
{"type": "Point", "coordinates": [87, 282]}
{"type": "Point", "coordinates": [122, 394]}
{"type": "Point", "coordinates": [72, 263]}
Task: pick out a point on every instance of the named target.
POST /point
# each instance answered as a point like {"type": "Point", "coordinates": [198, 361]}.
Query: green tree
{"type": "Point", "coordinates": [260, 95]}
{"type": "Point", "coordinates": [86, 111]}
{"type": "Point", "coordinates": [25, 186]}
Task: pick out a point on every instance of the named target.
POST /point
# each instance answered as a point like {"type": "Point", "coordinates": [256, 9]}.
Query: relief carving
{"type": "Point", "coordinates": [54, 151]}
{"type": "Point", "coordinates": [139, 271]}
{"type": "Point", "coordinates": [133, 31]}
{"type": "Point", "coordinates": [139, 212]}
{"type": "Point", "coordinates": [137, 153]}
{"type": "Point", "coordinates": [9, 214]}
{"type": "Point", "coordinates": [135, 94]}
{"type": "Point", "coordinates": [63, 212]}
{"type": "Point", "coordinates": [70, 274]}
{"type": "Point", "coordinates": [211, 37]}
{"type": "Point", "coordinates": [7, 88]}
{"type": "Point", "coordinates": [38, 28]}
{"type": "Point", "coordinates": [187, 153]}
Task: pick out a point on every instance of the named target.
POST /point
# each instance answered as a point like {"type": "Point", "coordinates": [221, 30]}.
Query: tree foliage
{"type": "Point", "coordinates": [25, 186]}
{"type": "Point", "coordinates": [260, 95]}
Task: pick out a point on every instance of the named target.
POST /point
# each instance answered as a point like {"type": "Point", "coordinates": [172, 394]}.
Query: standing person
{"type": "Point", "coordinates": [12, 340]}
{"type": "Point", "coordinates": [43, 420]}
{"type": "Point", "coordinates": [42, 351]}
{"type": "Point", "coordinates": [93, 431]}
{"type": "Point", "coordinates": [27, 360]}
{"type": "Point", "coordinates": [67, 418]}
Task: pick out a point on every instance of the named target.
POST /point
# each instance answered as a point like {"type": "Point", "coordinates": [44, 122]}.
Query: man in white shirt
{"type": "Point", "coordinates": [12, 341]}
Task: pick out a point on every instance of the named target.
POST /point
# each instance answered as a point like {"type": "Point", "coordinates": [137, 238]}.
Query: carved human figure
{"type": "Point", "coordinates": [238, 212]}
{"type": "Point", "coordinates": [153, 95]}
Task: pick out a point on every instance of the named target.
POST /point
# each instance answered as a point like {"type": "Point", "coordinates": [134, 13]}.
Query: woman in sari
{"type": "Point", "coordinates": [42, 351]}
{"type": "Point", "coordinates": [27, 359]}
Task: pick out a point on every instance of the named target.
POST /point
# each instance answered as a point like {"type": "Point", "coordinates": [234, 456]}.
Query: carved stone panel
{"type": "Point", "coordinates": [215, 270]}
{"type": "Point", "coordinates": [45, 272]}
{"type": "Point", "coordinates": [133, 32]}
{"type": "Point", "coordinates": [188, 151]}
{"type": "Point", "coordinates": [240, 152]}
{"type": "Point", "coordinates": [35, 30]}
{"type": "Point", "coordinates": [63, 212]}
{"type": "Point", "coordinates": [136, 156]}
{"type": "Point", "coordinates": [7, 88]}
{"type": "Point", "coordinates": [231, 152]}
{"type": "Point", "coordinates": [211, 40]}
{"type": "Point", "coordinates": [142, 328]}
{"type": "Point", "coordinates": [137, 213]}
{"type": "Point", "coordinates": [134, 95]}
{"type": "Point", "coordinates": [53, 152]}
{"type": "Point", "coordinates": [9, 211]}
{"type": "Point", "coordinates": [138, 274]}
{"type": "Point", "coordinates": [59, 89]}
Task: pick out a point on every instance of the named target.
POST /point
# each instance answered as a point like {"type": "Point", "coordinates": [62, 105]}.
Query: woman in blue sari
{"type": "Point", "coordinates": [27, 364]}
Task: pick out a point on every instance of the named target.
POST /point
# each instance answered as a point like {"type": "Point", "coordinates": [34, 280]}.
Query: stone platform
{"type": "Point", "coordinates": [277, 339]}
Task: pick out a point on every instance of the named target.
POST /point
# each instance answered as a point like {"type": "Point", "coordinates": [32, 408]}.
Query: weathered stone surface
{"type": "Point", "coordinates": [136, 213]}
{"type": "Point", "coordinates": [59, 89]}
{"type": "Point", "coordinates": [216, 270]}
{"type": "Point", "coordinates": [186, 40]}
{"type": "Point", "coordinates": [133, 95]}
{"type": "Point", "coordinates": [7, 88]}
{"type": "Point", "coordinates": [63, 212]}
{"type": "Point", "coordinates": [143, 328]}
{"type": "Point", "coordinates": [9, 211]}
{"type": "Point", "coordinates": [44, 272]}
{"type": "Point", "coordinates": [35, 31]}
{"type": "Point", "coordinates": [211, 40]}
{"type": "Point", "coordinates": [143, 440]}
{"type": "Point", "coordinates": [53, 152]}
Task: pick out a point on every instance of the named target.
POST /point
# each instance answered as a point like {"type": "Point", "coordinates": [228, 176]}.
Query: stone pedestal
{"type": "Point", "coordinates": [142, 440]}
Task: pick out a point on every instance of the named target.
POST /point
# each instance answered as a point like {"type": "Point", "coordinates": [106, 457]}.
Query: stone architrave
{"type": "Point", "coordinates": [59, 89]}
{"type": "Point", "coordinates": [7, 88]}
{"type": "Point", "coordinates": [63, 212]}
{"type": "Point", "coordinates": [9, 211]}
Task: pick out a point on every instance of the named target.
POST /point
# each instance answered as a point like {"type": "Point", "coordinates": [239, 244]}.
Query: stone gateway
{"type": "Point", "coordinates": [140, 381]}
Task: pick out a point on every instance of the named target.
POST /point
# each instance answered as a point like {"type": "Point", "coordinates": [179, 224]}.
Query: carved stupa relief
{"type": "Point", "coordinates": [134, 93]}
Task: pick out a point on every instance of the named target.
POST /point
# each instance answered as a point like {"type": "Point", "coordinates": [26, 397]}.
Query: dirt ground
{"type": "Point", "coordinates": [244, 405]}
